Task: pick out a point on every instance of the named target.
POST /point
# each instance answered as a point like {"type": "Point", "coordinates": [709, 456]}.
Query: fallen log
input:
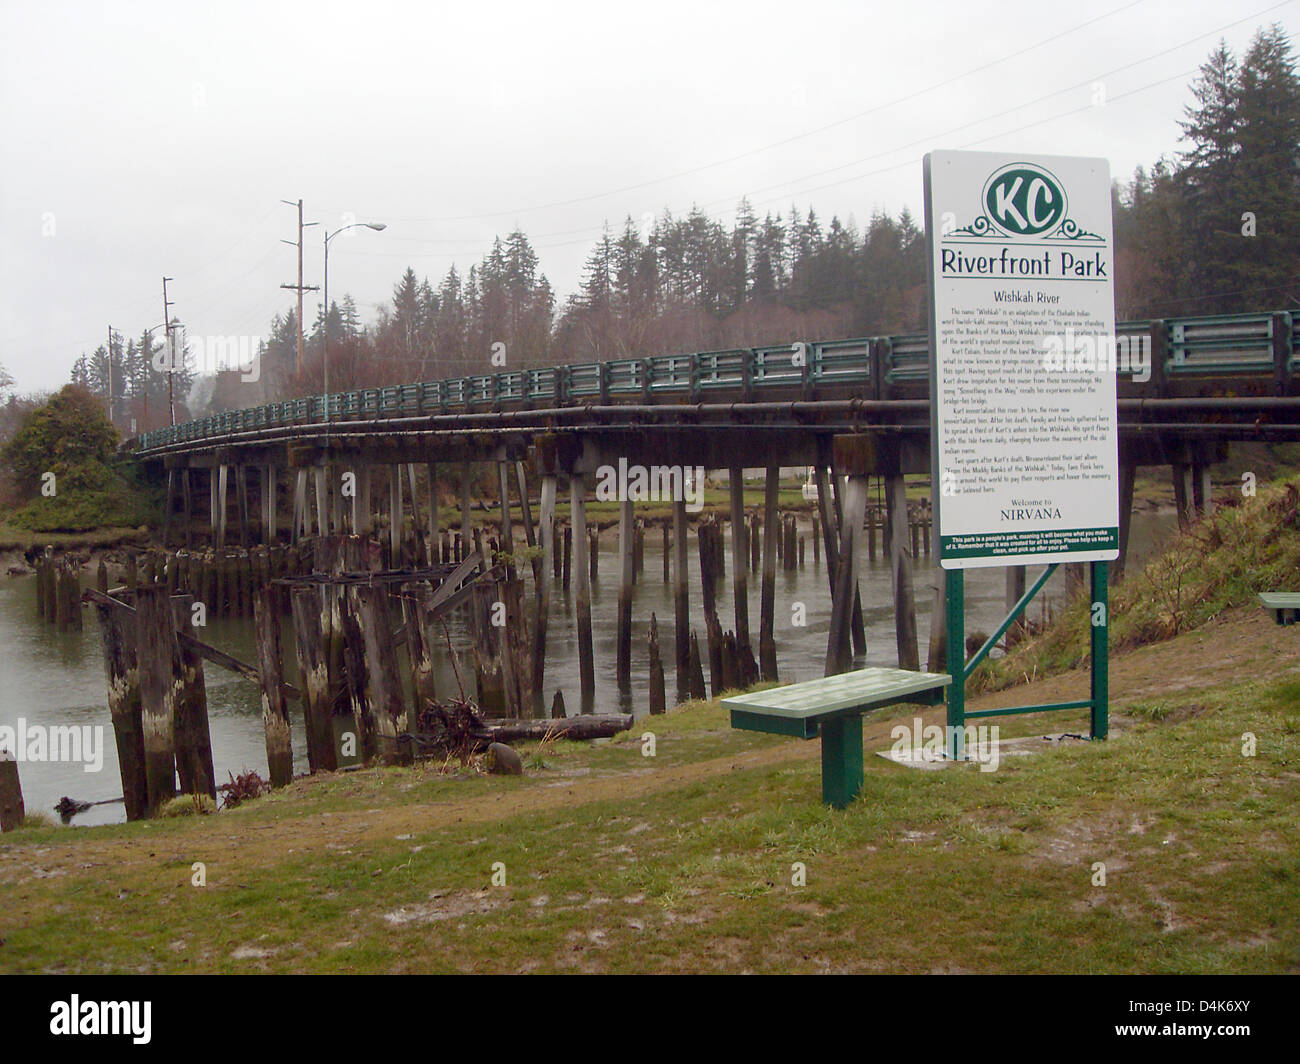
{"type": "Point", "coordinates": [578, 729]}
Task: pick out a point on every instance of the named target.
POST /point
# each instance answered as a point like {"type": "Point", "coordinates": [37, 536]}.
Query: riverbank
{"type": "Point", "coordinates": [614, 861]}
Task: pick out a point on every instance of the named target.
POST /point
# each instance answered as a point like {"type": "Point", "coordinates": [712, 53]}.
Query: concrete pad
{"type": "Point", "coordinates": [1026, 746]}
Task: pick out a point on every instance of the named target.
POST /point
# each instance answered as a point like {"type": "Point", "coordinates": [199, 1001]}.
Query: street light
{"type": "Point", "coordinates": [325, 354]}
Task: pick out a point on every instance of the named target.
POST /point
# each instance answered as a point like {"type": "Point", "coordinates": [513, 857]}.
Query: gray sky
{"type": "Point", "coordinates": [149, 138]}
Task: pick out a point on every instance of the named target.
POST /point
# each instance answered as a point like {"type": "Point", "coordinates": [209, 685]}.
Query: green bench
{"type": "Point", "coordinates": [832, 708]}
{"type": "Point", "coordinates": [1284, 604]}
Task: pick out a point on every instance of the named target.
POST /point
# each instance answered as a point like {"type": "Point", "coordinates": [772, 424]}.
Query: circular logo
{"type": "Point", "coordinates": [1024, 199]}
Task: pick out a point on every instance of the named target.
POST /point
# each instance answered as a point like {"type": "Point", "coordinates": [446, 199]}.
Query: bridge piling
{"type": "Point", "coordinates": [586, 657]}
{"type": "Point", "coordinates": [767, 613]}
{"type": "Point", "coordinates": [626, 579]}
{"type": "Point", "coordinates": [900, 566]}
{"type": "Point", "coordinates": [158, 656]}
{"type": "Point", "coordinates": [193, 735]}
{"type": "Point", "coordinates": [739, 556]}
{"type": "Point", "coordinates": [681, 601]}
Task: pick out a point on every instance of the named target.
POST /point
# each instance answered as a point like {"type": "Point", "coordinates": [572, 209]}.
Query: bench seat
{"type": "Point", "coordinates": [1284, 604]}
{"type": "Point", "coordinates": [832, 707]}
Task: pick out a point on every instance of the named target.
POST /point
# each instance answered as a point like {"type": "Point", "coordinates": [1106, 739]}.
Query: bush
{"type": "Point", "coordinates": [70, 437]}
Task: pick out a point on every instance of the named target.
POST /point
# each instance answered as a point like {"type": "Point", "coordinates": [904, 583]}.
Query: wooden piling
{"type": "Point", "coordinates": [488, 639]}
{"type": "Point", "coordinates": [656, 669]}
{"type": "Point", "coordinates": [546, 516]}
{"type": "Point", "coordinates": [900, 564]}
{"type": "Point", "coordinates": [158, 658]}
{"type": "Point", "coordinates": [275, 706]}
{"type": "Point", "coordinates": [839, 650]}
{"type": "Point", "coordinates": [193, 735]}
{"type": "Point", "coordinates": [695, 671]}
{"type": "Point", "coordinates": [681, 601]}
{"type": "Point", "coordinates": [582, 604]}
{"type": "Point", "coordinates": [311, 622]}
{"type": "Point", "coordinates": [624, 635]}
{"type": "Point", "coordinates": [383, 681]}
{"type": "Point", "coordinates": [118, 635]}
{"type": "Point", "coordinates": [520, 697]}
{"type": "Point", "coordinates": [766, 635]}
{"type": "Point", "coordinates": [739, 553]}
{"type": "Point", "coordinates": [12, 810]}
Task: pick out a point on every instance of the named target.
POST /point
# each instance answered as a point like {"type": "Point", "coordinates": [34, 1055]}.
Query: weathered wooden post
{"type": "Point", "coordinates": [275, 706]}
{"type": "Point", "coordinates": [739, 554]}
{"type": "Point", "coordinates": [546, 456]}
{"type": "Point", "coordinates": [857, 627]}
{"type": "Point", "coordinates": [766, 631]}
{"type": "Point", "coordinates": [419, 632]}
{"type": "Point", "coordinates": [193, 737]}
{"type": "Point", "coordinates": [900, 562]}
{"type": "Point", "coordinates": [396, 520]}
{"type": "Point", "coordinates": [12, 811]}
{"type": "Point", "coordinates": [118, 636]}
{"type": "Point", "coordinates": [520, 697]}
{"type": "Point", "coordinates": [855, 455]}
{"type": "Point", "coordinates": [656, 669]}
{"type": "Point", "coordinates": [695, 671]}
{"type": "Point", "coordinates": [507, 531]}
{"type": "Point", "coordinates": [489, 673]}
{"type": "Point", "coordinates": [384, 683]}
{"type": "Point", "coordinates": [681, 601]}
{"type": "Point", "coordinates": [627, 575]}
{"type": "Point", "coordinates": [159, 660]}
{"type": "Point", "coordinates": [311, 619]}
{"type": "Point", "coordinates": [586, 658]}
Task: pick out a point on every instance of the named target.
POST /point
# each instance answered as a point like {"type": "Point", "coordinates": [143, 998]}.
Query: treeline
{"type": "Point", "coordinates": [1215, 229]}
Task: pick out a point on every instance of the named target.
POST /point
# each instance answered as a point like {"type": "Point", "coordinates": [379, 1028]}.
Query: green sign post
{"type": "Point", "coordinates": [1024, 435]}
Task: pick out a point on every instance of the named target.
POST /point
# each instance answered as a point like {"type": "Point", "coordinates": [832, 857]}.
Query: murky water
{"type": "Point", "coordinates": [52, 678]}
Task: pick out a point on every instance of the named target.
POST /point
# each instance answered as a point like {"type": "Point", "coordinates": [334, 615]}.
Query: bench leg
{"type": "Point", "coordinates": [841, 760]}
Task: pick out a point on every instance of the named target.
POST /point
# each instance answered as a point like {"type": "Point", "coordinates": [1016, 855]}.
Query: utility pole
{"type": "Point", "coordinates": [109, 349]}
{"type": "Point", "coordinates": [299, 287]}
{"type": "Point", "coordinates": [167, 346]}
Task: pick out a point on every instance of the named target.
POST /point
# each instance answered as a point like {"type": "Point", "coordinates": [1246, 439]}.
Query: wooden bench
{"type": "Point", "coordinates": [1284, 604]}
{"type": "Point", "coordinates": [833, 708]}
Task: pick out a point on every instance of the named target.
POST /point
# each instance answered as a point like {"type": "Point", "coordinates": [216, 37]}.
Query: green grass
{"type": "Point", "coordinates": [928, 871]}
{"type": "Point", "coordinates": [1219, 562]}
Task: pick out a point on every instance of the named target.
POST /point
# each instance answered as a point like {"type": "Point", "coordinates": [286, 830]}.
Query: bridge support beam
{"type": "Point", "coordinates": [268, 504]}
{"type": "Point", "coordinates": [767, 613]}
{"type": "Point", "coordinates": [187, 503]}
{"type": "Point", "coordinates": [503, 489]}
{"type": "Point", "coordinates": [435, 556]}
{"type": "Point", "coordinates": [241, 508]}
{"type": "Point", "coordinates": [855, 455]}
{"type": "Point", "coordinates": [396, 519]}
{"type": "Point", "coordinates": [466, 541]}
{"type": "Point", "coordinates": [321, 479]}
{"type": "Point", "coordinates": [581, 575]}
{"type": "Point", "coordinates": [222, 494]}
{"type": "Point", "coordinates": [739, 559]}
{"type": "Point", "coordinates": [545, 578]}
{"type": "Point", "coordinates": [900, 564]}
{"type": "Point", "coordinates": [626, 579]}
{"type": "Point", "coordinates": [681, 602]}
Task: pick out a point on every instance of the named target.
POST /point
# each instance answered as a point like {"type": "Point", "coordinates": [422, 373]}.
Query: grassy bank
{"type": "Point", "coordinates": [683, 862]}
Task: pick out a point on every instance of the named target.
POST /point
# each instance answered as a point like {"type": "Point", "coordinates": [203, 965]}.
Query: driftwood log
{"type": "Point", "coordinates": [456, 728]}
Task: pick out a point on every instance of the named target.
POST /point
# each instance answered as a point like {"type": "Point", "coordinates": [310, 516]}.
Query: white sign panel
{"type": "Point", "coordinates": [1023, 424]}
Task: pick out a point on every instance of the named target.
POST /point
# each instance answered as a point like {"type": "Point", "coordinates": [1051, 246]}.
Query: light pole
{"type": "Point", "coordinates": [325, 324]}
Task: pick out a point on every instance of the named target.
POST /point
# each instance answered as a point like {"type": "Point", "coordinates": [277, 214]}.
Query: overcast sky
{"type": "Point", "coordinates": [142, 139]}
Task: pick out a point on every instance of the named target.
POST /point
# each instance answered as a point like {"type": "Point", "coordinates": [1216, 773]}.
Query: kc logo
{"type": "Point", "coordinates": [1024, 199]}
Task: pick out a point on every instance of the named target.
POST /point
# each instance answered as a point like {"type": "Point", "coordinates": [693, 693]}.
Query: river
{"type": "Point", "coordinates": [52, 678]}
